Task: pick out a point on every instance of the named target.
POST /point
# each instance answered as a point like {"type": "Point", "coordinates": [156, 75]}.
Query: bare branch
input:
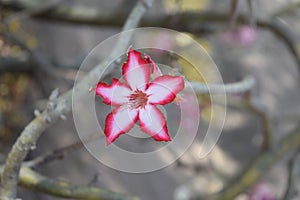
{"type": "Point", "coordinates": [233, 13]}
{"type": "Point", "coordinates": [13, 64]}
{"type": "Point", "coordinates": [35, 128]}
{"type": "Point", "coordinates": [34, 181]}
{"type": "Point", "coordinates": [264, 120]}
{"type": "Point", "coordinates": [294, 170]}
{"type": "Point", "coordinates": [239, 87]}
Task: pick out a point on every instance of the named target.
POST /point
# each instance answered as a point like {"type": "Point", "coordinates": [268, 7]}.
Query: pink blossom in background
{"type": "Point", "coordinates": [261, 191]}
{"type": "Point", "coordinates": [136, 98]}
{"type": "Point", "coordinates": [244, 35]}
{"type": "Point", "coordinates": [187, 105]}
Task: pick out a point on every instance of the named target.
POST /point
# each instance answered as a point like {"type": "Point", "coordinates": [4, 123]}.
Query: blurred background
{"type": "Point", "coordinates": [42, 44]}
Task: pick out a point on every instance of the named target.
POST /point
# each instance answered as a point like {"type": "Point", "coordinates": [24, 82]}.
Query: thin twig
{"type": "Point", "coordinates": [294, 173]}
{"type": "Point", "coordinates": [233, 13]}
{"type": "Point", "coordinates": [15, 64]}
{"type": "Point", "coordinates": [258, 109]}
{"type": "Point", "coordinates": [60, 153]}
{"type": "Point", "coordinates": [252, 10]}
{"type": "Point", "coordinates": [264, 120]}
{"type": "Point", "coordinates": [35, 128]}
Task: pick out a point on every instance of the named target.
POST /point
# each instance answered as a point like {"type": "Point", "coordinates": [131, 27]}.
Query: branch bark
{"type": "Point", "coordinates": [34, 181]}
{"type": "Point", "coordinates": [29, 136]}
{"type": "Point", "coordinates": [32, 132]}
{"type": "Point", "coordinates": [14, 64]}
{"type": "Point", "coordinates": [265, 122]}
{"type": "Point", "coordinates": [230, 88]}
{"type": "Point", "coordinates": [294, 169]}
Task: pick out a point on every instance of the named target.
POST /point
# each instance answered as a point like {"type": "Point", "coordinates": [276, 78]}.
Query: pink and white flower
{"type": "Point", "coordinates": [136, 98]}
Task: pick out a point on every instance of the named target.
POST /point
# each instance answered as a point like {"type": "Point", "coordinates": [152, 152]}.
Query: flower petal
{"type": "Point", "coordinates": [136, 70]}
{"type": "Point", "coordinates": [155, 71]}
{"type": "Point", "coordinates": [118, 122]}
{"type": "Point", "coordinates": [153, 122]}
{"type": "Point", "coordinates": [114, 94]}
{"type": "Point", "coordinates": [163, 89]}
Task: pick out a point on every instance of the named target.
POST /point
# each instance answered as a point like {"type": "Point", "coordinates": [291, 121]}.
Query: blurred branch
{"type": "Point", "coordinates": [294, 171]}
{"type": "Point", "coordinates": [36, 127]}
{"type": "Point", "coordinates": [286, 117]}
{"type": "Point", "coordinates": [259, 167]}
{"type": "Point", "coordinates": [34, 181]}
{"type": "Point", "coordinates": [26, 64]}
{"type": "Point", "coordinates": [252, 10]}
{"type": "Point", "coordinates": [60, 153]}
{"type": "Point", "coordinates": [81, 14]}
{"type": "Point", "coordinates": [286, 35]}
{"type": "Point", "coordinates": [56, 154]}
{"type": "Point", "coordinates": [13, 64]}
{"type": "Point", "coordinates": [190, 22]}
{"type": "Point", "coordinates": [288, 9]}
{"type": "Point", "coordinates": [32, 10]}
{"type": "Point", "coordinates": [36, 58]}
{"type": "Point", "coordinates": [74, 14]}
{"type": "Point", "coordinates": [239, 87]}
{"type": "Point", "coordinates": [256, 108]}
{"type": "Point", "coordinates": [17, 64]}
{"type": "Point", "coordinates": [233, 13]}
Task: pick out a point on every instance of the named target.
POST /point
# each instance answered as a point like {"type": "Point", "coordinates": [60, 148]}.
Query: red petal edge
{"type": "Point", "coordinates": [108, 100]}
{"type": "Point", "coordinates": [168, 98]}
{"type": "Point", "coordinates": [156, 135]}
{"type": "Point", "coordinates": [135, 57]}
{"type": "Point", "coordinates": [109, 123]}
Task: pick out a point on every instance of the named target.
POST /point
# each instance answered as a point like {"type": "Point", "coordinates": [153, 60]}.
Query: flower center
{"type": "Point", "coordinates": [138, 99]}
